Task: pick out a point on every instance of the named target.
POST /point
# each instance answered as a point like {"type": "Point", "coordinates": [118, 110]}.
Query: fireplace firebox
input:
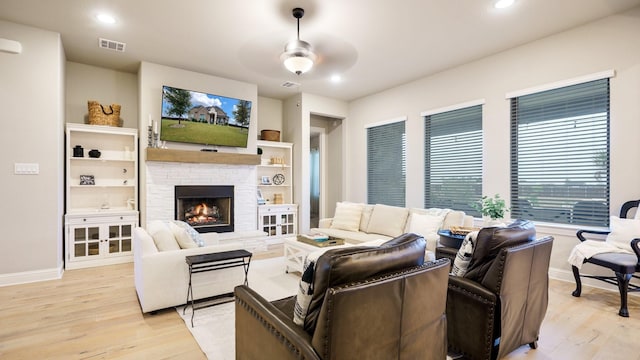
{"type": "Point", "coordinates": [207, 208]}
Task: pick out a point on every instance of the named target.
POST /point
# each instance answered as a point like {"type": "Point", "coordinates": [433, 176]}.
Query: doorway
{"type": "Point", "coordinates": [315, 171]}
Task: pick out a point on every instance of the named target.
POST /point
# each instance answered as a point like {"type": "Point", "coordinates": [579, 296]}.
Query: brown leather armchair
{"type": "Point", "coordinates": [379, 303]}
{"type": "Point", "coordinates": [499, 304]}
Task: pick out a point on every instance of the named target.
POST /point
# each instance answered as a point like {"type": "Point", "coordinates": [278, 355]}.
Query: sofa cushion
{"type": "Point", "coordinates": [183, 239]}
{"type": "Point", "coordinates": [346, 265]}
{"type": "Point", "coordinates": [388, 220]}
{"type": "Point", "coordinates": [367, 209]}
{"type": "Point", "coordinates": [491, 240]}
{"type": "Point", "coordinates": [195, 236]}
{"type": "Point", "coordinates": [347, 216]}
{"type": "Point", "coordinates": [453, 218]}
{"type": "Point", "coordinates": [424, 224]}
{"type": "Point", "coordinates": [162, 236]}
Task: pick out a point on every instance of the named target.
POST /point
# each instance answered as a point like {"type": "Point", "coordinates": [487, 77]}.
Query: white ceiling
{"type": "Point", "coordinates": [372, 44]}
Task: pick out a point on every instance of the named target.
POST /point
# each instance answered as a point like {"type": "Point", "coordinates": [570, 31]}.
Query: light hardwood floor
{"type": "Point", "coordinates": [94, 314]}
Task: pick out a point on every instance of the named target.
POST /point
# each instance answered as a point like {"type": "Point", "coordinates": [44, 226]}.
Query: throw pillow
{"type": "Point", "coordinates": [622, 232]}
{"type": "Point", "coordinates": [388, 220]}
{"type": "Point", "coordinates": [305, 289]}
{"type": "Point", "coordinates": [162, 236]}
{"type": "Point", "coordinates": [366, 216]}
{"type": "Point", "coordinates": [347, 216]}
{"type": "Point", "coordinates": [196, 237]}
{"type": "Point", "coordinates": [182, 237]}
{"type": "Point", "coordinates": [424, 224]}
{"type": "Point", "coordinates": [463, 257]}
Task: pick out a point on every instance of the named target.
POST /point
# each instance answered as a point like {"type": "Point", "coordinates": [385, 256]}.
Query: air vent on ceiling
{"type": "Point", "coordinates": [290, 84]}
{"type": "Point", "coordinates": [111, 45]}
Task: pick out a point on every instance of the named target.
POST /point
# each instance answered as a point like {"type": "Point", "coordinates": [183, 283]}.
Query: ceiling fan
{"type": "Point", "coordinates": [298, 56]}
{"type": "Point", "coordinates": [318, 56]}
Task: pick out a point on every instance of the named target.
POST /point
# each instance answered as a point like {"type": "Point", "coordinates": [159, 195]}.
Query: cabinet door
{"type": "Point", "coordinates": [287, 223]}
{"type": "Point", "coordinates": [270, 224]}
{"type": "Point", "coordinates": [118, 239]}
{"type": "Point", "coordinates": [85, 242]}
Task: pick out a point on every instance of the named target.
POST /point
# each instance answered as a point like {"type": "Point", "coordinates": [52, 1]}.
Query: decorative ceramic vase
{"type": "Point", "coordinates": [94, 153]}
{"type": "Point", "coordinates": [78, 151]}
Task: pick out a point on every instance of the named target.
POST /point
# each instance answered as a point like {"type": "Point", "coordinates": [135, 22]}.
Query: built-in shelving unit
{"type": "Point", "coordinates": [278, 215]}
{"type": "Point", "coordinates": [101, 194]}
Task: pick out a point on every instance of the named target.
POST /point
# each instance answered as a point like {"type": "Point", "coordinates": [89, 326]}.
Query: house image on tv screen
{"type": "Point", "coordinates": [210, 115]}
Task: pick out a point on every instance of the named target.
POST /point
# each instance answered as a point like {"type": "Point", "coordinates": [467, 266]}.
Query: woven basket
{"type": "Point", "coordinates": [462, 230]}
{"type": "Point", "coordinates": [99, 115]}
{"type": "Point", "coordinates": [270, 135]}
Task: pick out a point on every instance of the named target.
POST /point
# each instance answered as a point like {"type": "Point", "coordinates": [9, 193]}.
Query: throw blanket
{"type": "Point", "coordinates": [589, 248]}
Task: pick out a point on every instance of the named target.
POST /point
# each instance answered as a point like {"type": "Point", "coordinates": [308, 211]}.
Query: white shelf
{"type": "Point", "coordinates": [282, 154]}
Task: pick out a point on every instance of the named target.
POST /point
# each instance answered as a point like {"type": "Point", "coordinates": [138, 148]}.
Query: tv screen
{"type": "Point", "coordinates": [199, 118]}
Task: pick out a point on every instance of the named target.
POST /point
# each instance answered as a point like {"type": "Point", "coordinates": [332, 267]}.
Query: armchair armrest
{"type": "Point", "coordinates": [580, 233]}
{"type": "Point", "coordinates": [466, 300]}
{"type": "Point", "coordinates": [263, 331]}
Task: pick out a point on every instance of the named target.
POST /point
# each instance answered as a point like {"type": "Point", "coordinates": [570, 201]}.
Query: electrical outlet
{"type": "Point", "coordinates": [26, 168]}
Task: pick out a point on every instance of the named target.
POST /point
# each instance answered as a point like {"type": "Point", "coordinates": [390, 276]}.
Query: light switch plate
{"type": "Point", "coordinates": [26, 168]}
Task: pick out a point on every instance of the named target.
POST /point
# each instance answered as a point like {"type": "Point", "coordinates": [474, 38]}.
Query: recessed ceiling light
{"type": "Point", "coordinates": [106, 18]}
{"type": "Point", "coordinates": [501, 4]}
{"type": "Point", "coordinates": [336, 78]}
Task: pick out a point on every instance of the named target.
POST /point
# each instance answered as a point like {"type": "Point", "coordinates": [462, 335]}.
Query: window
{"type": "Point", "coordinates": [560, 155]}
{"type": "Point", "coordinates": [386, 164]}
{"type": "Point", "coordinates": [453, 159]}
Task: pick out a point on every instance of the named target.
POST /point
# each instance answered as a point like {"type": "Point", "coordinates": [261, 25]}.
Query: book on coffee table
{"type": "Point", "coordinates": [315, 236]}
{"type": "Point", "coordinates": [331, 241]}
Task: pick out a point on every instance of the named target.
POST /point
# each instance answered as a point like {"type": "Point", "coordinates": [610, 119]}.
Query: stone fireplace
{"type": "Point", "coordinates": [207, 208]}
{"type": "Point", "coordinates": [162, 179]}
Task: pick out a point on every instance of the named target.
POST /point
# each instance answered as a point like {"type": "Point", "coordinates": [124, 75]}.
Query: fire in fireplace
{"type": "Point", "coordinates": [207, 208]}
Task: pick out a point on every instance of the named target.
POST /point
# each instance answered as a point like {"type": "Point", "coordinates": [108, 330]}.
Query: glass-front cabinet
{"type": "Point", "coordinates": [107, 238]}
{"type": "Point", "coordinates": [278, 220]}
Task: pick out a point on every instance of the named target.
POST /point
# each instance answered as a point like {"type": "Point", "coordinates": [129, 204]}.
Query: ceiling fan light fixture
{"type": "Point", "coordinates": [298, 64]}
{"type": "Point", "coordinates": [298, 56]}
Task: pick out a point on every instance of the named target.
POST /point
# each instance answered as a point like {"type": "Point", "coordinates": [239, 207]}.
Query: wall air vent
{"type": "Point", "coordinates": [111, 45]}
{"type": "Point", "coordinates": [290, 84]}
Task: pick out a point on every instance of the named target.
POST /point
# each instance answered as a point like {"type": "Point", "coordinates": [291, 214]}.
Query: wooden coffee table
{"type": "Point", "coordinates": [295, 253]}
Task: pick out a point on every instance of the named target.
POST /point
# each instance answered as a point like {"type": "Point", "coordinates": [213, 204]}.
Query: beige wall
{"type": "Point", "coordinates": [86, 82]}
{"type": "Point", "coordinates": [297, 122]}
{"type": "Point", "coordinates": [269, 114]}
{"type": "Point", "coordinates": [32, 103]}
{"type": "Point", "coordinates": [610, 43]}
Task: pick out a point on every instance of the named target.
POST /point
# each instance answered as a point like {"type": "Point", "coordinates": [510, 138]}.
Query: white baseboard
{"type": "Point", "coordinates": [31, 276]}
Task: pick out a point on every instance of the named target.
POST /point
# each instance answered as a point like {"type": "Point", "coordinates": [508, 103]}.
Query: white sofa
{"type": "Point", "coordinates": [162, 277]}
{"type": "Point", "coordinates": [357, 222]}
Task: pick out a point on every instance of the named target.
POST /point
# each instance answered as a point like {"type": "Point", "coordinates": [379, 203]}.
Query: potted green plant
{"type": "Point", "coordinates": [493, 208]}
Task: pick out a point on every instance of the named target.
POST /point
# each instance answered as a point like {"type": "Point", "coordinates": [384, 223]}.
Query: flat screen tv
{"type": "Point", "coordinates": [199, 118]}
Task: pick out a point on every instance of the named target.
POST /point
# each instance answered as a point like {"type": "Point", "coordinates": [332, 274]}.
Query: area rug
{"type": "Point", "coordinates": [214, 327]}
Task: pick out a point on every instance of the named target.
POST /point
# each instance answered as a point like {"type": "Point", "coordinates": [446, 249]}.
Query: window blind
{"type": "Point", "coordinates": [453, 159]}
{"type": "Point", "coordinates": [386, 164]}
{"type": "Point", "coordinates": [560, 155]}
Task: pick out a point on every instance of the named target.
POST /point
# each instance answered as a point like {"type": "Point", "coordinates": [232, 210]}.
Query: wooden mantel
{"type": "Point", "coordinates": [190, 156]}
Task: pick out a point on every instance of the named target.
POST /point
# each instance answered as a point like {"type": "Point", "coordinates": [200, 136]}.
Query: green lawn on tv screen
{"type": "Point", "coordinates": [203, 133]}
